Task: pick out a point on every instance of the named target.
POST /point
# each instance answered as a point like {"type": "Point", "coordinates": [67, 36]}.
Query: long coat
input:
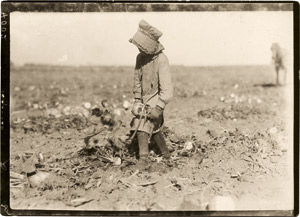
{"type": "Point", "coordinates": [153, 85]}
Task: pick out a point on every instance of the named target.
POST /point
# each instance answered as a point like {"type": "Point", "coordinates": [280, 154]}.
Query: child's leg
{"type": "Point", "coordinates": [162, 145]}
{"type": "Point", "coordinates": [143, 138]}
{"type": "Point", "coordinates": [277, 76]}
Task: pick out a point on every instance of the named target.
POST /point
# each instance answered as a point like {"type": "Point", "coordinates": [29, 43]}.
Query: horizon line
{"type": "Point", "coordinates": [124, 65]}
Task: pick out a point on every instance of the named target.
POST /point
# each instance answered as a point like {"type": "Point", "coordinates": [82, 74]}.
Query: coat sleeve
{"type": "Point", "coordinates": [137, 85]}
{"type": "Point", "coordinates": [165, 93]}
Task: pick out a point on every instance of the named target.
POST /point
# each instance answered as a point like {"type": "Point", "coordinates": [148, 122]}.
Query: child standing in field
{"type": "Point", "coordinates": [152, 89]}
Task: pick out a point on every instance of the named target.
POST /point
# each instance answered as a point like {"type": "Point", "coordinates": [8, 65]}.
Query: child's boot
{"type": "Point", "coordinates": [143, 150]}
{"type": "Point", "coordinates": [162, 145]}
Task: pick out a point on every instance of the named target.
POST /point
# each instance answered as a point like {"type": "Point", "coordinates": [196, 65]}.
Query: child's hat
{"type": "Point", "coordinates": [146, 38]}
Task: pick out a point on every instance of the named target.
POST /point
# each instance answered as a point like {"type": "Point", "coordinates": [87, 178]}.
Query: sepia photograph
{"type": "Point", "coordinates": [150, 107]}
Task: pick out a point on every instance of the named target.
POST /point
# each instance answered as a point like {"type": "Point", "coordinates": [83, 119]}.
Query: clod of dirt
{"type": "Point", "coordinates": [17, 88]}
{"type": "Point", "coordinates": [262, 143]}
{"type": "Point", "coordinates": [244, 178]}
{"type": "Point", "coordinates": [97, 112]}
{"type": "Point", "coordinates": [197, 94]}
{"type": "Point", "coordinates": [118, 112]}
{"type": "Point", "coordinates": [234, 175]}
{"type": "Point", "coordinates": [99, 182]}
{"type": "Point", "coordinates": [258, 101]}
{"type": "Point", "coordinates": [53, 112]}
{"type": "Point", "coordinates": [94, 120]}
{"type": "Point", "coordinates": [35, 106]}
{"type": "Point", "coordinates": [117, 161]}
{"type": "Point", "coordinates": [27, 127]}
{"type": "Point", "coordinates": [104, 103]}
{"type": "Point", "coordinates": [41, 158]}
{"type": "Point", "coordinates": [116, 142]}
{"type": "Point", "coordinates": [171, 135]}
{"type": "Point", "coordinates": [89, 184]}
{"type": "Point", "coordinates": [77, 110]}
{"type": "Point", "coordinates": [273, 130]}
{"type": "Point", "coordinates": [108, 119]}
{"type": "Point", "coordinates": [275, 159]}
{"type": "Point", "coordinates": [212, 133]}
{"type": "Point", "coordinates": [188, 146]}
{"type": "Point", "coordinates": [28, 165]}
{"type": "Point", "coordinates": [36, 179]}
{"type": "Point", "coordinates": [31, 88]}
{"type": "Point", "coordinates": [78, 202]}
{"type": "Point", "coordinates": [66, 110]}
{"type": "Point", "coordinates": [87, 105]}
{"type": "Point", "coordinates": [96, 140]}
{"type": "Point", "coordinates": [173, 138]}
{"type": "Point", "coordinates": [126, 104]}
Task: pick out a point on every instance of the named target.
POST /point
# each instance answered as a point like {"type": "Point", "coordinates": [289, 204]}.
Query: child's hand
{"type": "Point", "coordinates": [155, 113]}
{"type": "Point", "coordinates": [136, 108]}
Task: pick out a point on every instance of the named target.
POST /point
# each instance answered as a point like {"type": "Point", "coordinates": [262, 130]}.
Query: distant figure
{"type": "Point", "coordinates": [279, 61]}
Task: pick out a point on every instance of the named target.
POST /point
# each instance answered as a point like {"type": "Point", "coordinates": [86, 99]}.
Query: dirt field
{"type": "Point", "coordinates": [227, 129]}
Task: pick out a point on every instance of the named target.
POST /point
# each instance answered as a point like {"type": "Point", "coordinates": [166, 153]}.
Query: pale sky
{"type": "Point", "coordinates": [189, 38]}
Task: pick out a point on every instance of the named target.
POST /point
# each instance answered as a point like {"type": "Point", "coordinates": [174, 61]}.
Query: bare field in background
{"type": "Point", "coordinates": [234, 117]}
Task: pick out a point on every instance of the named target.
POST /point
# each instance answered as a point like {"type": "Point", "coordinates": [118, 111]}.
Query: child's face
{"type": "Point", "coordinates": [142, 52]}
